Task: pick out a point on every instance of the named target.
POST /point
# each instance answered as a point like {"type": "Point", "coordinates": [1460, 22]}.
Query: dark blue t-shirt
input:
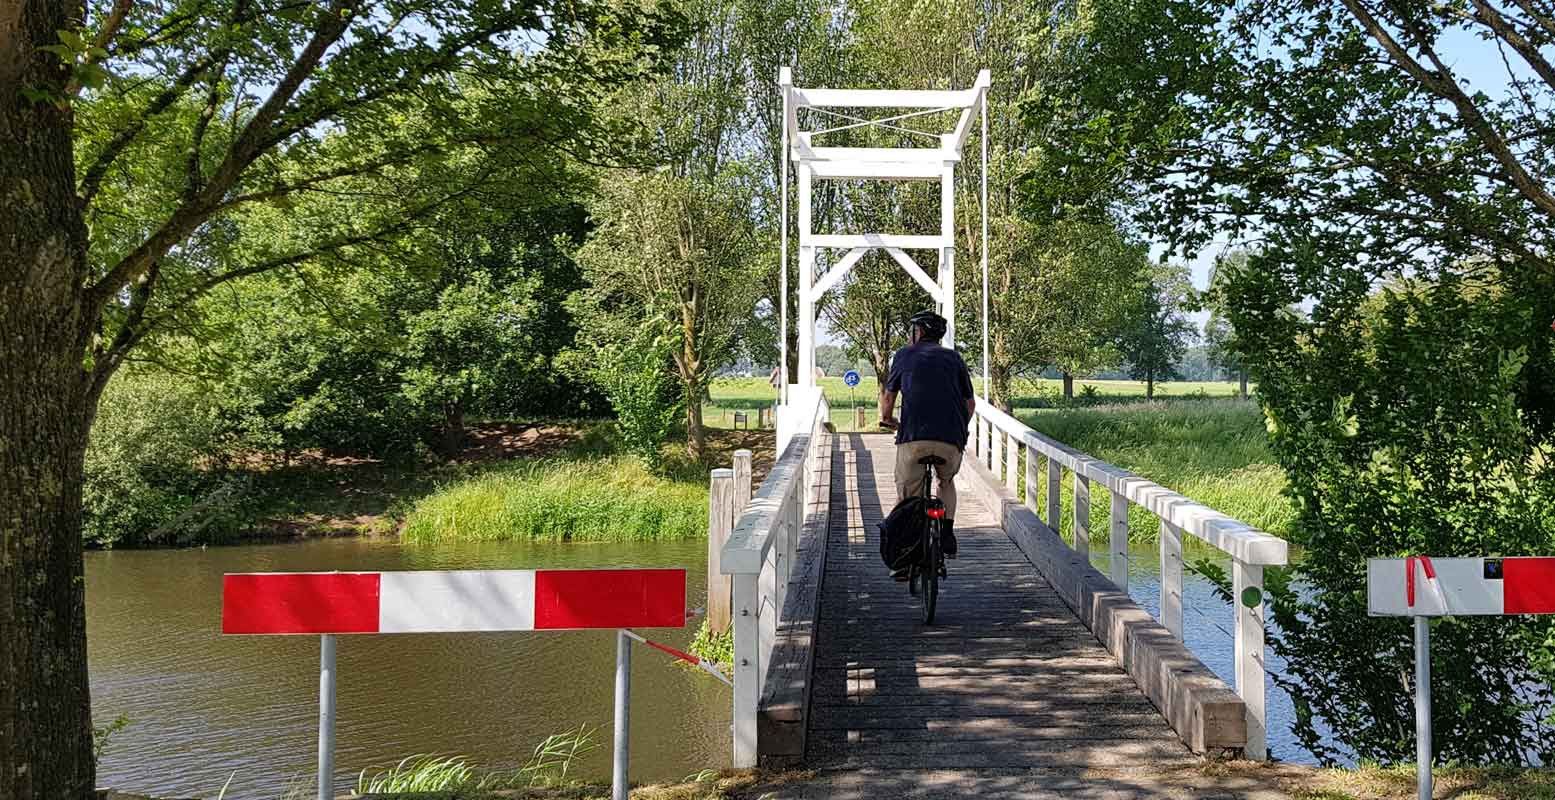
{"type": "Point", "coordinates": [934, 386]}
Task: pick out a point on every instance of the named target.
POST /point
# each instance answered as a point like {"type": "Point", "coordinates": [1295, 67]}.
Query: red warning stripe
{"type": "Point", "coordinates": [301, 602]}
{"type": "Point", "coordinates": [354, 602]}
{"type": "Point", "coordinates": [610, 598]}
{"type": "Point", "coordinates": [1530, 585]}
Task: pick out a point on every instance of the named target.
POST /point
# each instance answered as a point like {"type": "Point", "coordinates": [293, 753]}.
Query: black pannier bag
{"type": "Point", "coordinates": [901, 533]}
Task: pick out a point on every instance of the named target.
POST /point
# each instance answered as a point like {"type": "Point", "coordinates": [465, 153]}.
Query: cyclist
{"type": "Point", "coordinates": [937, 407]}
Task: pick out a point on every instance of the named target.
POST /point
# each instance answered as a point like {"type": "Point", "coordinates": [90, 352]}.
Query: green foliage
{"type": "Point", "coordinates": [1413, 420]}
{"type": "Point", "coordinates": [549, 764]}
{"type": "Point", "coordinates": [148, 465]}
{"type": "Point", "coordinates": [636, 378]}
{"type": "Point", "coordinates": [715, 647]}
{"type": "Point", "coordinates": [420, 773]}
{"type": "Point", "coordinates": [1157, 332]}
{"type": "Point", "coordinates": [577, 499]}
{"type": "Point", "coordinates": [551, 761]}
{"type": "Point", "coordinates": [101, 734]}
{"type": "Point", "coordinates": [676, 249]}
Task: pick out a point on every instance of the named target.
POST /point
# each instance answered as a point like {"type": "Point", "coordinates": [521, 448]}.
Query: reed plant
{"type": "Point", "coordinates": [570, 499]}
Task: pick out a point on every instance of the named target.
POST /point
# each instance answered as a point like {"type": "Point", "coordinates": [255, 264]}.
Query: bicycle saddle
{"type": "Point", "coordinates": [935, 460]}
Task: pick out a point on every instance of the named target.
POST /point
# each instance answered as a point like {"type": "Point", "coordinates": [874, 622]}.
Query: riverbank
{"type": "Point", "coordinates": [510, 480]}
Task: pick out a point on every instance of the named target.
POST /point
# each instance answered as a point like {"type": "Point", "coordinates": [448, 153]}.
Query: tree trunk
{"type": "Point", "coordinates": [1149, 385]}
{"type": "Point", "coordinates": [1068, 386]}
{"type": "Point", "coordinates": [453, 428]}
{"type": "Point", "coordinates": [696, 432]}
{"type": "Point", "coordinates": [1242, 376]}
{"type": "Point", "coordinates": [47, 399]}
{"type": "Point", "coordinates": [1000, 376]}
{"type": "Point", "coordinates": [880, 362]}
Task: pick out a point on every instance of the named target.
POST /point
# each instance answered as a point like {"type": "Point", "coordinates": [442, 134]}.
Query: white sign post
{"type": "Point", "coordinates": [1422, 588]}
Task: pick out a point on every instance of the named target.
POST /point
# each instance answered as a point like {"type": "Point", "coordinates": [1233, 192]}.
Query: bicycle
{"type": "Point", "coordinates": [930, 566]}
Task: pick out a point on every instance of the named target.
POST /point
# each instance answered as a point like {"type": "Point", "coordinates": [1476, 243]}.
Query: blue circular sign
{"type": "Point", "coordinates": [851, 377]}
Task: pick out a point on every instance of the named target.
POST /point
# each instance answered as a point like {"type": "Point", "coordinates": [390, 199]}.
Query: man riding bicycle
{"type": "Point", "coordinates": [937, 407]}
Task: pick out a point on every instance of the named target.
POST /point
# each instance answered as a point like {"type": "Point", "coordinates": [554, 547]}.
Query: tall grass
{"type": "Point", "coordinates": [549, 765]}
{"type": "Point", "coordinates": [1215, 452]}
{"type": "Point", "coordinates": [574, 499]}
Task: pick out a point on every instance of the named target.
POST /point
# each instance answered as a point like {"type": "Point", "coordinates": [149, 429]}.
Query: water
{"type": "Point", "coordinates": [203, 707]}
{"type": "Point", "coordinates": [1207, 623]}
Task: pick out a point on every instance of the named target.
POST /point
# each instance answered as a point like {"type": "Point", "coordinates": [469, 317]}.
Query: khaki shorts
{"type": "Point", "coordinates": [909, 473]}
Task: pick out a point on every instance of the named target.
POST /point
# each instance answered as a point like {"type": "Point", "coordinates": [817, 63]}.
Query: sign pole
{"type": "Point", "coordinates": [1423, 704]}
{"type": "Point", "coordinates": [618, 785]}
{"type": "Point", "coordinates": [327, 717]}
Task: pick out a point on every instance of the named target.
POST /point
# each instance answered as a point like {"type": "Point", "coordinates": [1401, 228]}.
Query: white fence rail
{"type": "Point", "coordinates": [998, 434]}
{"type": "Point", "coordinates": [760, 555]}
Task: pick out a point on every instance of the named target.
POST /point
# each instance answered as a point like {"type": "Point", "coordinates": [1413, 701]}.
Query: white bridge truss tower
{"type": "Point", "coordinates": [812, 162]}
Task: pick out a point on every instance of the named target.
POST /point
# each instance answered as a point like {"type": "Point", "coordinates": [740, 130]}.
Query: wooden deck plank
{"type": "Point", "coordinates": [1006, 679]}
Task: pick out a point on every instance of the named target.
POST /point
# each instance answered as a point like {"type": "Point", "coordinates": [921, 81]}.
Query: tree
{"type": "Point", "coordinates": [1411, 406]}
{"type": "Point", "coordinates": [1219, 337]}
{"type": "Point", "coordinates": [872, 313]}
{"type": "Point", "coordinates": [676, 249]}
{"type": "Point", "coordinates": [130, 139]}
{"type": "Point", "coordinates": [1158, 331]}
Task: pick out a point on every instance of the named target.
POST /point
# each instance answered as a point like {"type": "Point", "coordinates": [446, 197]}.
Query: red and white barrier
{"type": "Point", "coordinates": [452, 602]}
{"type": "Point", "coordinates": [1420, 586]}
{"type": "Point", "coordinates": [469, 601]}
{"type": "Point", "coordinates": [1423, 587]}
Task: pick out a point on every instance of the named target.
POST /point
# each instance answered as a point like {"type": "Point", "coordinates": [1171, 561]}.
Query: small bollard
{"type": "Point", "coordinates": [858, 417]}
{"type": "Point", "coordinates": [720, 523]}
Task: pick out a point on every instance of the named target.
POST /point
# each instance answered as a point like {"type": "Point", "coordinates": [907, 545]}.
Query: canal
{"type": "Point", "coordinates": [204, 708]}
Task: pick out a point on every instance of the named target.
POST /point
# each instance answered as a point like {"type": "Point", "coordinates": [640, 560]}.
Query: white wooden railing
{"type": "Point", "coordinates": [760, 555]}
{"type": "Point", "coordinates": [998, 434]}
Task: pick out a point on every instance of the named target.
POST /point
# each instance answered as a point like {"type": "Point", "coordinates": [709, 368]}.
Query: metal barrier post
{"type": "Point", "coordinates": [327, 717]}
{"type": "Point", "coordinates": [618, 785]}
{"type": "Point", "coordinates": [1423, 704]}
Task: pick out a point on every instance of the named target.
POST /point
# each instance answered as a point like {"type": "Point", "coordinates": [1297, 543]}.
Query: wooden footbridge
{"type": "Point", "coordinates": [1040, 676]}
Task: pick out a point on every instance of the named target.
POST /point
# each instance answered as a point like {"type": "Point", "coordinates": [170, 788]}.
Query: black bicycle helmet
{"type": "Point", "coordinates": [933, 324]}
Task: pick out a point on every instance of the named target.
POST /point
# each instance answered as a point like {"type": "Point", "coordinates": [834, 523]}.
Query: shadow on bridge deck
{"type": "Point", "coordinates": [1007, 694]}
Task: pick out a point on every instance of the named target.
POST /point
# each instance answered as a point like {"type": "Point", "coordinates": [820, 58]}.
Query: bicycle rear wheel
{"type": "Point", "coordinates": [931, 573]}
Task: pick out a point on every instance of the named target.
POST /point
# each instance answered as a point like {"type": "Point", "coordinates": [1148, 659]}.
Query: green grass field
{"type": "Point", "coordinates": [729, 395]}
{"type": "Point", "coordinates": [1197, 438]}
{"type": "Point", "coordinates": [1214, 451]}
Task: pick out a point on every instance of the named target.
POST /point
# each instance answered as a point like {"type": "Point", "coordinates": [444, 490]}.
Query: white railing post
{"type": "Point", "coordinates": [1055, 476]}
{"type": "Point", "coordinates": [1011, 461]}
{"type": "Point", "coordinates": [1249, 636]}
{"type": "Point", "coordinates": [1171, 578]}
{"type": "Point", "coordinates": [747, 669]}
{"type": "Point", "coordinates": [720, 523]}
{"type": "Point", "coordinates": [1117, 528]}
{"type": "Point", "coordinates": [1031, 478]}
{"type": "Point", "coordinates": [767, 582]}
{"type": "Point", "coordinates": [1082, 515]}
{"type": "Point", "coordinates": [742, 481]}
{"type": "Point", "coordinates": [995, 456]}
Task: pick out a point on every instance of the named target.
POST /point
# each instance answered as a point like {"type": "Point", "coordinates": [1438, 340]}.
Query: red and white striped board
{"type": "Point", "coordinates": [1420, 586]}
{"type": "Point", "coordinates": [452, 601]}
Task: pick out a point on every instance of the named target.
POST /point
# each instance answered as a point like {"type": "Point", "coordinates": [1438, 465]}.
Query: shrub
{"type": "Point", "coordinates": [143, 464]}
{"type": "Point", "coordinates": [1415, 419]}
{"type": "Point", "coordinates": [635, 376]}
